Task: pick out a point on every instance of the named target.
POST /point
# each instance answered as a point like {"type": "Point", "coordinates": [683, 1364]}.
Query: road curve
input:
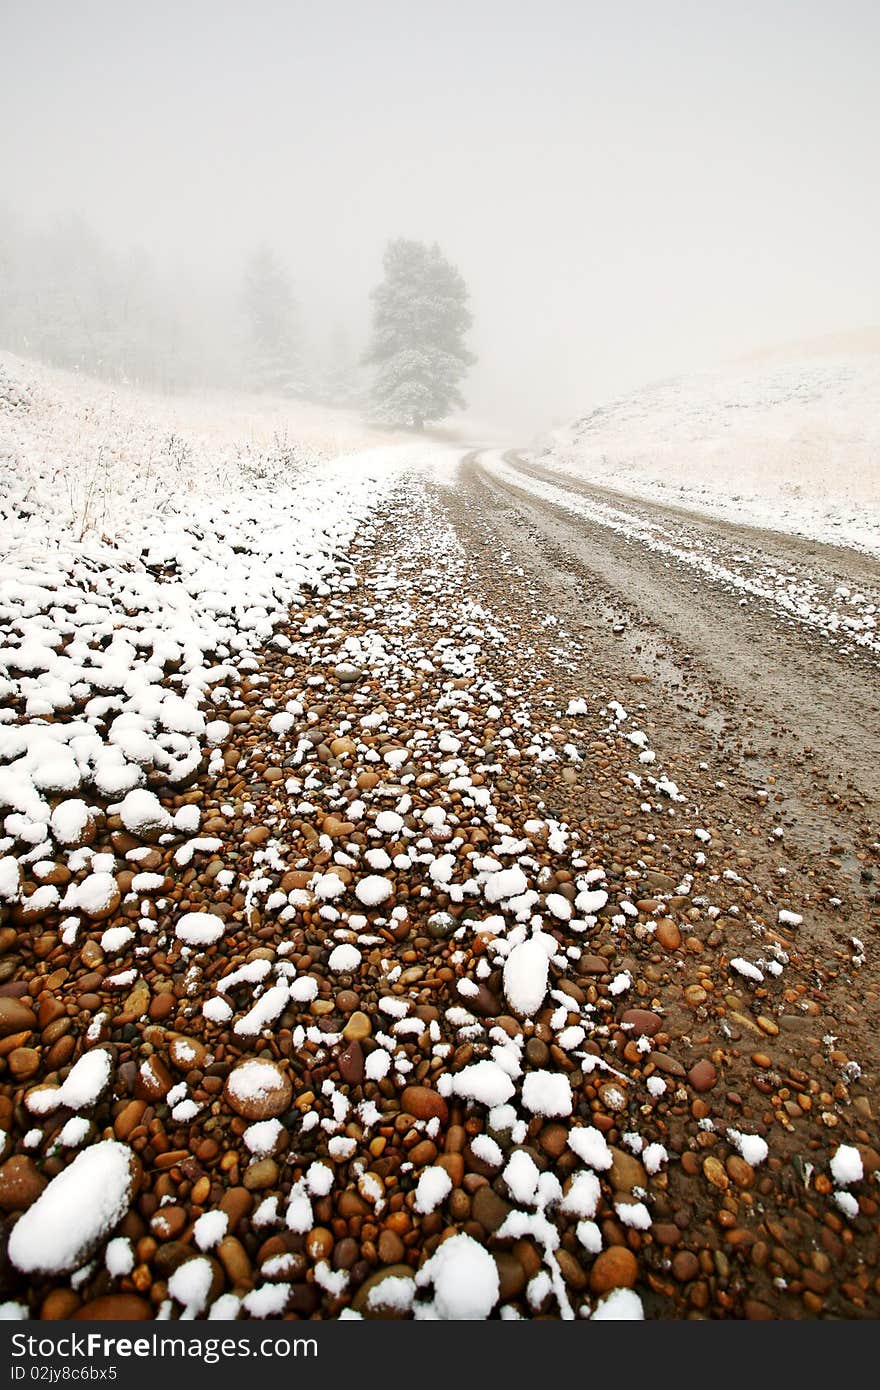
{"type": "Point", "coordinates": [733, 634]}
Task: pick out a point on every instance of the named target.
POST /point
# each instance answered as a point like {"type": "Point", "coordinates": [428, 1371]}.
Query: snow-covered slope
{"type": "Point", "coordinates": [790, 442]}
{"type": "Point", "coordinates": [147, 549]}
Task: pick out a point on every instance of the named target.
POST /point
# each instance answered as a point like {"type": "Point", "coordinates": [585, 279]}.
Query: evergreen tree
{"type": "Point", "coordinates": [276, 364]}
{"type": "Point", "coordinates": [420, 317]}
{"type": "Point", "coordinates": [341, 386]}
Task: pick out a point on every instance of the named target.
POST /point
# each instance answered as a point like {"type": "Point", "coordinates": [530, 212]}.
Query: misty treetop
{"type": "Point", "coordinates": [420, 317]}
{"type": "Point", "coordinates": [276, 362]}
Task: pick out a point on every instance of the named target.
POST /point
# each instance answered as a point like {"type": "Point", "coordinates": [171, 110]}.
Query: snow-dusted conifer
{"type": "Point", "coordinates": [420, 317]}
{"type": "Point", "coordinates": [275, 360]}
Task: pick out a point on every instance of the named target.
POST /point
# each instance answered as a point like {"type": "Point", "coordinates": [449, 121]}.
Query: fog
{"type": "Point", "coordinates": [629, 191]}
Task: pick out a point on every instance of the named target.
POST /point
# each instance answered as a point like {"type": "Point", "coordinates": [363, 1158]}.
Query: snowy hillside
{"type": "Point", "coordinates": [792, 443]}
{"type": "Point", "coordinates": [148, 547]}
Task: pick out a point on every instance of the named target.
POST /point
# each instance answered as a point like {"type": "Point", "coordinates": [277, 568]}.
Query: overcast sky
{"type": "Point", "coordinates": [630, 189]}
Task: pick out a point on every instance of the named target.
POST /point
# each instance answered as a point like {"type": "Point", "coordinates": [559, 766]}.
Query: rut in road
{"type": "Point", "coordinates": [779, 700]}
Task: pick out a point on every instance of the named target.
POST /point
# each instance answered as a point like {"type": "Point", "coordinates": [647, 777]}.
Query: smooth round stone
{"type": "Point", "coordinates": [644, 1023]}
{"type": "Point", "coordinates": [702, 1075]}
{"type": "Point", "coordinates": [351, 1063]}
{"type": "Point", "coordinates": [740, 1172]}
{"type": "Point", "coordinates": [668, 934]}
{"type": "Point", "coordinates": [391, 1248]}
{"type": "Point", "coordinates": [361, 1302]}
{"type": "Point", "coordinates": [161, 1007]}
{"type": "Point", "coordinates": [15, 1017]}
{"type": "Point", "coordinates": [261, 1174]}
{"type": "Point", "coordinates": [115, 1307]}
{"type": "Point", "coordinates": [258, 1090]}
{"type": "Point", "coordinates": [187, 1054]}
{"type": "Point", "coordinates": [511, 1275]}
{"type": "Point", "coordinates": [713, 1171]}
{"type": "Point", "coordinates": [489, 1209]}
{"type": "Point", "coordinates": [23, 1062]}
{"type": "Point", "coordinates": [21, 1183]}
{"type": "Point", "coordinates": [626, 1172]}
{"type": "Point", "coordinates": [553, 1140]}
{"type": "Point", "coordinates": [357, 1028]}
{"type": "Point", "coordinates": [614, 1268]}
{"type": "Point", "coordinates": [685, 1266]}
{"type": "Point", "coordinates": [424, 1103]}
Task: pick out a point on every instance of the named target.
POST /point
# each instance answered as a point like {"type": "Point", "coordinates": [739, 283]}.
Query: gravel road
{"type": "Point", "coordinates": [527, 904]}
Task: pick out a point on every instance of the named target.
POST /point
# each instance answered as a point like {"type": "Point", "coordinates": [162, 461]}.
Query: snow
{"type": "Point", "coordinates": [547, 1093]}
{"type": "Point", "coordinates": [633, 1214]}
{"type": "Point", "coordinates": [119, 1257]}
{"type": "Point", "coordinates": [263, 1012]}
{"type": "Point", "coordinates": [590, 901]}
{"type": "Point", "coordinates": [818, 603]}
{"type": "Point", "coordinates": [484, 1081]}
{"type": "Point", "coordinates": [199, 928]}
{"type": "Point", "coordinates": [847, 1204]}
{"type": "Point", "coordinates": [751, 1147]}
{"type": "Point", "coordinates": [94, 895]}
{"type": "Point", "coordinates": [526, 971]}
{"type": "Point", "coordinates": [83, 1086]}
{"type": "Point", "coordinates": [559, 906]}
{"type": "Point", "coordinates": [217, 1010]}
{"type": "Point", "coordinates": [395, 1292]}
{"type": "Point", "coordinates": [69, 821]}
{"type": "Point", "coordinates": [653, 1157]}
{"type": "Point", "coordinates": [262, 1136]}
{"type": "Point", "coordinates": [582, 1197]}
{"type": "Point", "coordinates": [73, 1214]}
{"type": "Point", "coordinates": [786, 442]}
{"type": "Point", "coordinates": [433, 1187]}
{"type": "Point", "coordinates": [74, 1132]}
{"type": "Point", "coordinates": [114, 938]}
{"type": "Point", "coordinates": [846, 1165]}
{"type": "Point", "coordinates": [487, 1150]}
{"type": "Point", "coordinates": [620, 1305]}
{"type": "Point", "coordinates": [10, 879]}
{"type": "Point", "coordinates": [746, 969]}
{"type": "Point", "coordinates": [142, 812]}
{"type": "Point", "coordinates": [590, 1236]}
{"type": "Point", "coordinates": [505, 884]}
{"type": "Point", "coordinates": [130, 566]}
{"type": "Point", "coordinates": [327, 887]}
{"type": "Point", "coordinates": [319, 1179]}
{"type": "Point", "coordinates": [344, 958]}
{"type": "Point", "coordinates": [377, 1065]}
{"type": "Point", "coordinates": [225, 1308]}
{"type": "Point", "coordinates": [591, 1147]}
{"type": "Point", "coordinates": [190, 1284]}
{"type": "Point", "coordinates": [521, 1176]}
{"type": "Point", "coordinates": [210, 1228]}
{"type": "Point", "coordinates": [373, 890]}
{"type": "Point", "coordinates": [464, 1278]}
{"type": "Point", "coordinates": [253, 1080]}
{"type": "Point", "coordinates": [267, 1301]}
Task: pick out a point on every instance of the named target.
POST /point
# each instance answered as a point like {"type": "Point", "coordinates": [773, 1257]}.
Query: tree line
{"type": "Point", "coordinates": [69, 301]}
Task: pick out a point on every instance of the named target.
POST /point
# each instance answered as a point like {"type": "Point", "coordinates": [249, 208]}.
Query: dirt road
{"type": "Point", "coordinates": [537, 868]}
{"type": "Point", "coordinates": [757, 687]}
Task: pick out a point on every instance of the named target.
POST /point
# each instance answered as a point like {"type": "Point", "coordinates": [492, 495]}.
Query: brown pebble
{"type": "Point", "coordinates": [702, 1076]}
{"type": "Point", "coordinates": [615, 1268]}
{"type": "Point", "coordinates": [115, 1307]}
{"type": "Point", "coordinates": [424, 1103]}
